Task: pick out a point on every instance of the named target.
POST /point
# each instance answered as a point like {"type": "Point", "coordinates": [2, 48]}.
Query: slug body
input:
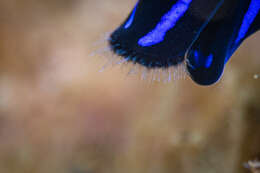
{"type": "Point", "coordinates": [203, 34]}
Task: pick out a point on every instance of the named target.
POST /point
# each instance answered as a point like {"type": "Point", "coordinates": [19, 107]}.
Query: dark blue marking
{"type": "Point", "coordinates": [131, 19]}
{"type": "Point", "coordinates": [198, 60]}
{"type": "Point", "coordinates": [209, 61]}
{"type": "Point", "coordinates": [167, 22]}
{"type": "Point", "coordinates": [249, 17]}
{"type": "Point", "coordinates": [196, 56]}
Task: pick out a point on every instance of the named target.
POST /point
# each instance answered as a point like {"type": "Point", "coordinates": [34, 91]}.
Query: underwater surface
{"type": "Point", "coordinates": [58, 113]}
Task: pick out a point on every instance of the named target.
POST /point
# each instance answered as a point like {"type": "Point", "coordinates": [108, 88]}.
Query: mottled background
{"type": "Point", "coordinates": [58, 114]}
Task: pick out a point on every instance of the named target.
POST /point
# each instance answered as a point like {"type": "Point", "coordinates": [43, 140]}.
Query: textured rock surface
{"type": "Point", "coordinates": [58, 114]}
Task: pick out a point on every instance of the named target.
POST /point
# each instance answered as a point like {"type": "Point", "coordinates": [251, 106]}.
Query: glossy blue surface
{"type": "Point", "coordinates": [168, 21]}
{"type": "Point", "coordinates": [249, 17]}
{"type": "Point", "coordinates": [209, 61]}
{"type": "Point", "coordinates": [131, 19]}
{"type": "Point", "coordinates": [198, 60]}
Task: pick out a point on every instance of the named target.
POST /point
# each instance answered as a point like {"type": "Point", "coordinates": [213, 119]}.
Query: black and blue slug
{"type": "Point", "coordinates": [203, 34]}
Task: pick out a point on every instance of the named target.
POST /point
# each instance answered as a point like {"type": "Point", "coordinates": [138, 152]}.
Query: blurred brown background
{"type": "Point", "coordinates": [59, 114]}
